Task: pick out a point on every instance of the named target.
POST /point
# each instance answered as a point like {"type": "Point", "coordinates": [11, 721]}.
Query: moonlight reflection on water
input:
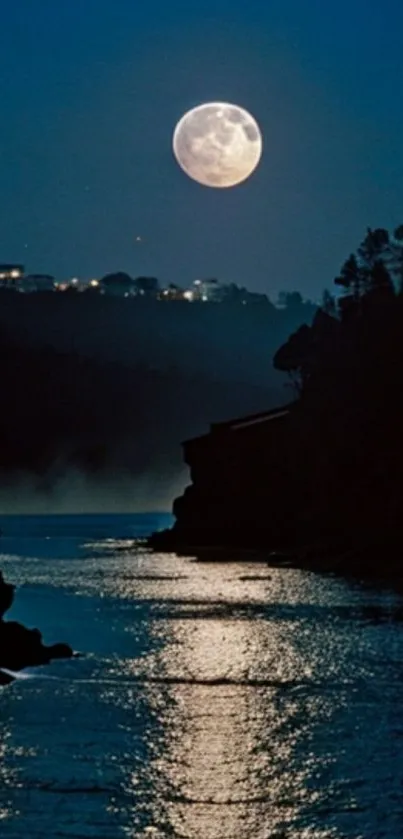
{"type": "Point", "coordinates": [214, 701]}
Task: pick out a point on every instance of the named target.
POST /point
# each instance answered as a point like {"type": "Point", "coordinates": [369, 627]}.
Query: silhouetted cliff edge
{"type": "Point", "coordinates": [318, 482]}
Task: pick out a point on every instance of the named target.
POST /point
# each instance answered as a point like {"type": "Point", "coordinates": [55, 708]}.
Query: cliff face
{"type": "Point", "coordinates": [240, 475]}
{"type": "Point", "coordinates": [323, 475]}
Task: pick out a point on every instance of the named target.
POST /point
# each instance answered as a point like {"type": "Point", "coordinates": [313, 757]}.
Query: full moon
{"type": "Point", "coordinates": [218, 144]}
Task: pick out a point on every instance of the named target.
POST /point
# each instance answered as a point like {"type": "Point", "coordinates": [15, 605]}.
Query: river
{"type": "Point", "coordinates": [212, 701]}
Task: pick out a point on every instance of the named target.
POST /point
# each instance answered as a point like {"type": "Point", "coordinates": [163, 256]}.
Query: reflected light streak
{"type": "Point", "coordinates": [9, 780]}
{"type": "Point", "coordinates": [226, 769]}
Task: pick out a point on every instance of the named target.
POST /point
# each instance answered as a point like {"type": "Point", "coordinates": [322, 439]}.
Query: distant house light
{"type": "Point", "coordinates": [94, 283]}
{"type": "Point", "coordinates": [204, 298]}
{"type": "Point", "coordinates": [197, 282]}
{"type": "Point", "coordinates": [188, 295]}
{"type": "Point", "coordinates": [11, 271]}
{"type": "Point", "coordinates": [74, 281]}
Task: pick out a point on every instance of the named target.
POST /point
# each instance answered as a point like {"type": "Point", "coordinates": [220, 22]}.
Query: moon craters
{"type": "Point", "coordinates": [218, 144]}
{"type": "Point", "coordinates": [251, 132]}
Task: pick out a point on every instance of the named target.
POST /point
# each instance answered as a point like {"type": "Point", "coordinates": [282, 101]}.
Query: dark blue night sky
{"type": "Point", "coordinates": [91, 91]}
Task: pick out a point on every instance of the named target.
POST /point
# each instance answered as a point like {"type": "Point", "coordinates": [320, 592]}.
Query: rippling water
{"type": "Point", "coordinates": [227, 701]}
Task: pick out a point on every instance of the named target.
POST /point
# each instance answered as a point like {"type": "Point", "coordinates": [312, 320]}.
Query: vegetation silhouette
{"type": "Point", "coordinates": [227, 342]}
{"type": "Point", "coordinates": [325, 478]}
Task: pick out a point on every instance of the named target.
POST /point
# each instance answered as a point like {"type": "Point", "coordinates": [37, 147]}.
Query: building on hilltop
{"type": "Point", "coordinates": [10, 275]}
{"type": "Point", "coordinates": [173, 292]}
{"type": "Point", "coordinates": [209, 291]}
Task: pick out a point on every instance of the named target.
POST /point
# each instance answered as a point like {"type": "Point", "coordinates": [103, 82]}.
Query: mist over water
{"type": "Point", "coordinates": [101, 392]}
{"type": "Point", "coordinates": [77, 492]}
{"type": "Point", "coordinates": [217, 701]}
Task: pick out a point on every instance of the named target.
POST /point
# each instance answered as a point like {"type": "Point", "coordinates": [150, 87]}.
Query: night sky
{"type": "Point", "coordinates": [91, 91]}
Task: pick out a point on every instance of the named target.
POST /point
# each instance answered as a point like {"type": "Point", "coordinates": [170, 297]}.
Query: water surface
{"type": "Point", "coordinates": [228, 701]}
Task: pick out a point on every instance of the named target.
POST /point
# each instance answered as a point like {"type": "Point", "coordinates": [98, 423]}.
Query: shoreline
{"type": "Point", "coordinates": [372, 562]}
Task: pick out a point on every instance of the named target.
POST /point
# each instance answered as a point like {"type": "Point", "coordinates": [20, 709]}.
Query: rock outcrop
{"type": "Point", "coordinates": [6, 596]}
{"type": "Point", "coordinates": [241, 488]}
{"type": "Point", "coordinates": [21, 647]}
{"type": "Point", "coordinates": [321, 478]}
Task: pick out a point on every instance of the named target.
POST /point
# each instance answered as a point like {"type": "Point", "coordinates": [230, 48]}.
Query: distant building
{"type": "Point", "coordinates": [11, 275]}
{"type": "Point", "coordinates": [209, 291]}
{"type": "Point", "coordinates": [173, 292]}
{"type": "Point", "coordinates": [36, 282]}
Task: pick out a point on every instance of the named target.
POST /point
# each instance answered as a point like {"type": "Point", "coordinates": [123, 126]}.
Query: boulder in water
{"type": "Point", "coordinates": [6, 595]}
{"type": "Point", "coordinates": [21, 647]}
{"type": "Point", "coordinates": [5, 678]}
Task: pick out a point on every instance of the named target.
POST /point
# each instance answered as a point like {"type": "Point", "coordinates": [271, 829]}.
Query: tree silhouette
{"type": "Point", "coordinates": [353, 278]}
{"type": "Point", "coordinates": [374, 247]}
{"type": "Point", "coordinates": [295, 356]}
{"type": "Point", "coordinates": [290, 299]}
{"type": "Point", "coordinates": [147, 285]}
{"type": "Point", "coordinates": [381, 284]}
{"type": "Point", "coordinates": [118, 283]}
{"type": "Point", "coordinates": [397, 257]}
{"type": "Point", "coordinates": [329, 304]}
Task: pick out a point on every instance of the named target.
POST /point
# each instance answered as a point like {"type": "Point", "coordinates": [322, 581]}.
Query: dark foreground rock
{"type": "Point", "coordinates": [22, 647]}
{"type": "Point", "coordinates": [5, 678]}
{"type": "Point", "coordinates": [327, 469]}
{"type": "Point", "coordinates": [6, 595]}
